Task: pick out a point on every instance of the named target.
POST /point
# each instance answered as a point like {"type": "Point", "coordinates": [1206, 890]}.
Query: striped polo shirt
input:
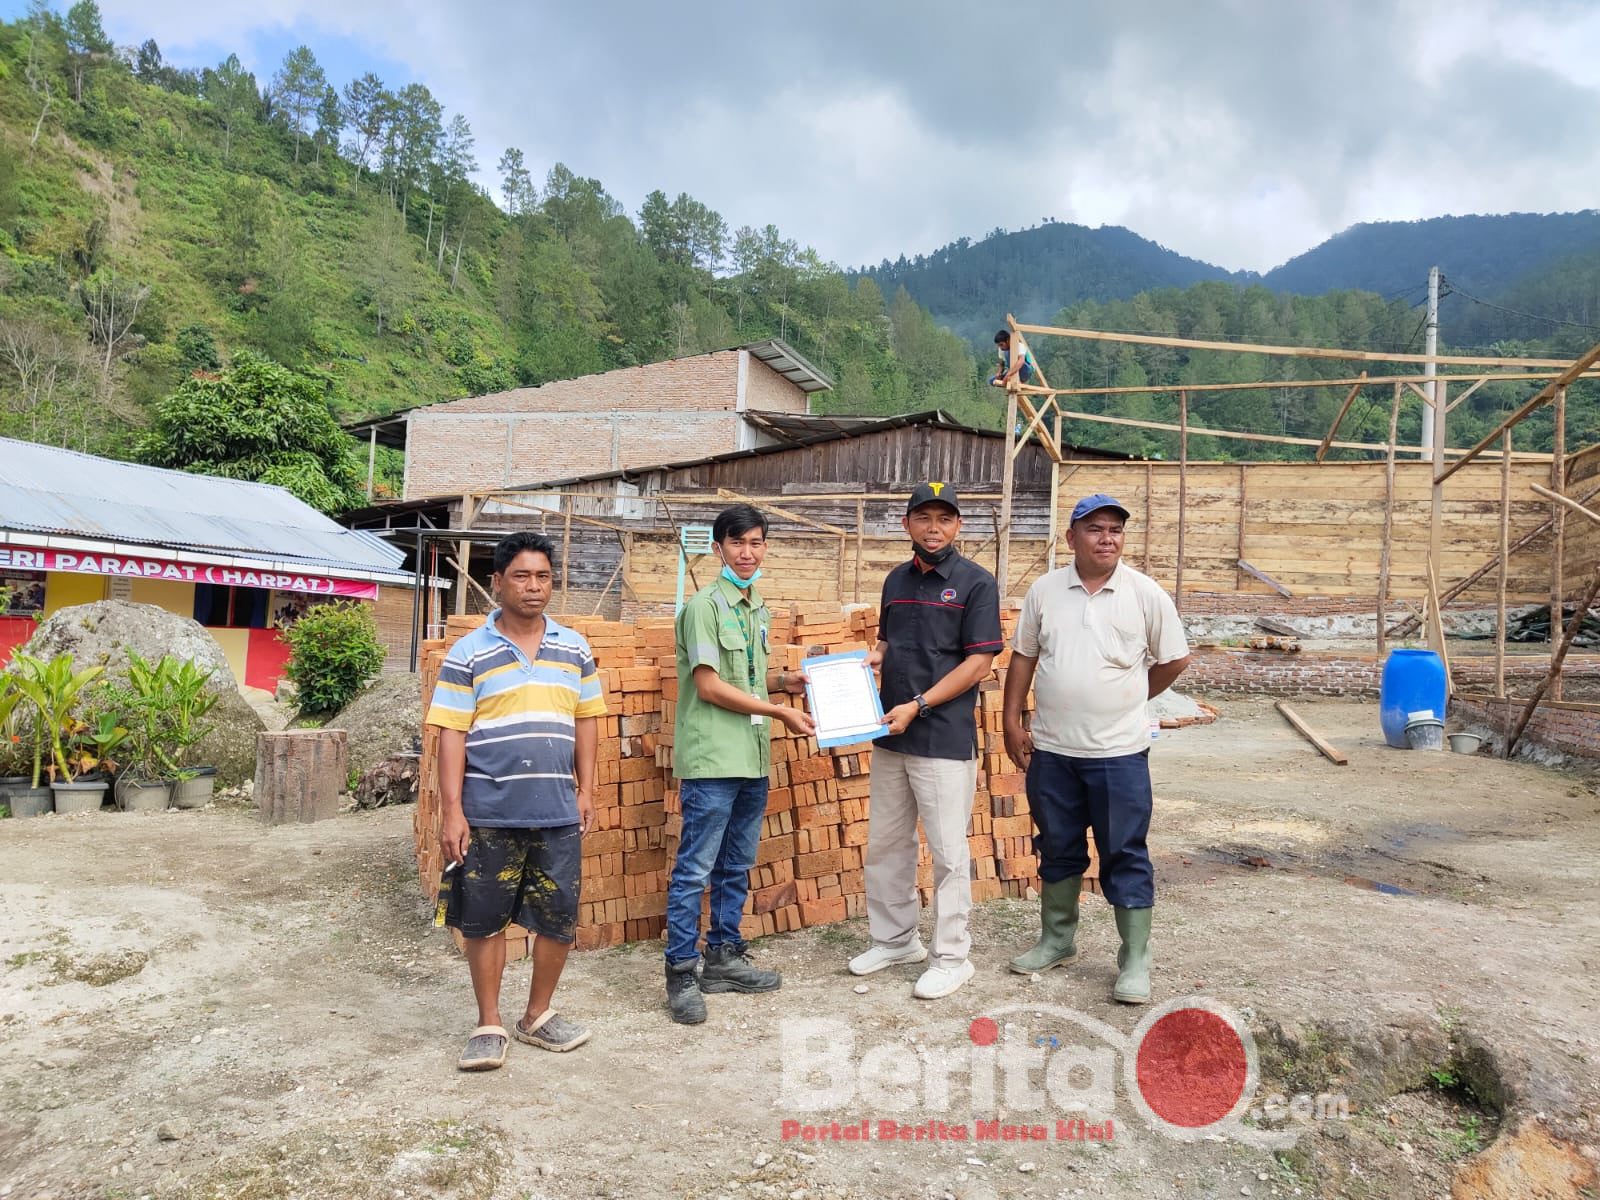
{"type": "Point", "coordinates": [520, 721]}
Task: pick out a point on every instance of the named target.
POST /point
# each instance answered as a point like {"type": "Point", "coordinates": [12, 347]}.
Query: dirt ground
{"type": "Point", "coordinates": [195, 1006]}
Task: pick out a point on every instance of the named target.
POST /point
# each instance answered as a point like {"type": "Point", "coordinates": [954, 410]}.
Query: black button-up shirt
{"type": "Point", "coordinates": [932, 621]}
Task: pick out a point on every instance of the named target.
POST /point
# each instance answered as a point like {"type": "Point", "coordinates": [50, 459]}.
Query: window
{"type": "Point", "coordinates": [25, 590]}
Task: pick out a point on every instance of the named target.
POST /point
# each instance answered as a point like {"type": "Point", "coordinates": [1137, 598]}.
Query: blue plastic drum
{"type": "Point", "coordinates": [1413, 681]}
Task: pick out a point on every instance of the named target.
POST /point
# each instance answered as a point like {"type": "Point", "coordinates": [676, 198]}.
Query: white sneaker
{"type": "Point", "coordinates": [940, 980]}
{"type": "Point", "coordinates": [880, 957]}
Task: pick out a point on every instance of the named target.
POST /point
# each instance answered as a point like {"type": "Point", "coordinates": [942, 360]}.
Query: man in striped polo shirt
{"type": "Point", "coordinates": [516, 705]}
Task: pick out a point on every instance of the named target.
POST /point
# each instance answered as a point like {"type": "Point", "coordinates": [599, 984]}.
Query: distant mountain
{"type": "Point", "coordinates": [1484, 253]}
{"type": "Point", "coordinates": [970, 286]}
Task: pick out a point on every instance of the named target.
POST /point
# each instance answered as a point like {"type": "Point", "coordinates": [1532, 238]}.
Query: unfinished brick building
{"type": "Point", "coordinates": [669, 411]}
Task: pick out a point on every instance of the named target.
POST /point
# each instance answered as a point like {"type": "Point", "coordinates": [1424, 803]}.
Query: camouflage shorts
{"type": "Point", "coordinates": [529, 877]}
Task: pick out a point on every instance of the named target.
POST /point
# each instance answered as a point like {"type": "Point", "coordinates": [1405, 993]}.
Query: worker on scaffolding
{"type": "Point", "coordinates": [1016, 361]}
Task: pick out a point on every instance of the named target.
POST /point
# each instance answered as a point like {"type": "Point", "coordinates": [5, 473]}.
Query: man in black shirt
{"type": "Point", "coordinates": [939, 630]}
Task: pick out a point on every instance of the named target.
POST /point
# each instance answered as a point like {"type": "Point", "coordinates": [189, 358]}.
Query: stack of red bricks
{"type": "Point", "coordinates": [813, 843]}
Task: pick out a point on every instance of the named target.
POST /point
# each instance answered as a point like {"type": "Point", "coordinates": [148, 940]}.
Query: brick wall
{"type": "Point", "coordinates": [766, 390]}
{"type": "Point", "coordinates": [1558, 727]}
{"type": "Point", "coordinates": [671, 411]}
{"type": "Point", "coordinates": [1221, 671]}
{"type": "Point", "coordinates": [700, 383]}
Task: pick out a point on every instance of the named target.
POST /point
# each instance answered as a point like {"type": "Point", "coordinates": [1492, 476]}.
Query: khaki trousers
{"type": "Point", "coordinates": [939, 791]}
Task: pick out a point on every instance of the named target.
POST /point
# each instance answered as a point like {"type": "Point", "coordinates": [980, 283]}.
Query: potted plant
{"type": "Point", "coordinates": [20, 753]}
{"type": "Point", "coordinates": [166, 702]}
{"type": "Point", "coordinates": [190, 703]}
{"type": "Point", "coordinates": [55, 691]}
{"type": "Point", "coordinates": [143, 784]}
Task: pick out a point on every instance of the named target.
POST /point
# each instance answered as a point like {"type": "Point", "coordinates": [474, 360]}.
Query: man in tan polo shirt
{"type": "Point", "coordinates": [1096, 640]}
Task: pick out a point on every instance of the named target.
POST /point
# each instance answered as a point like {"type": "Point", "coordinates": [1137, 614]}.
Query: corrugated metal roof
{"type": "Point", "coordinates": [786, 361]}
{"type": "Point", "coordinates": [47, 490]}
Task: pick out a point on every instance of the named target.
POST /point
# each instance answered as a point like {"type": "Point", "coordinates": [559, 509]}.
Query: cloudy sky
{"type": "Point", "coordinates": [1239, 132]}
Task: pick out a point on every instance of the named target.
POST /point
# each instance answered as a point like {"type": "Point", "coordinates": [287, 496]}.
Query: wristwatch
{"type": "Point", "coordinates": [923, 708]}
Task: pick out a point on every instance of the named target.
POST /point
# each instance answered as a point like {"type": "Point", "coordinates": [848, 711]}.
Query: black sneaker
{"type": "Point", "coordinates": [683, 993]}
{"type": "Point", "coordinates": [729, 969]}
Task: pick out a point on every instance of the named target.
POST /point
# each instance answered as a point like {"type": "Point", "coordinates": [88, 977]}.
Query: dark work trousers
{"type": "Point", "coordinates": [1110, 796]}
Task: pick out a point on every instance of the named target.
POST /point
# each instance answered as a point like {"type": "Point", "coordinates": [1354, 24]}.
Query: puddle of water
{"type": "Point", "coordinates": [1373, 885]}
{"type": "Point", "coordinates": [1426, 834]}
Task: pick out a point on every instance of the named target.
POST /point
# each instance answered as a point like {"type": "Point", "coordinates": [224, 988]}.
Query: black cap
{"type": "Point", "coordinates": [939, 493]}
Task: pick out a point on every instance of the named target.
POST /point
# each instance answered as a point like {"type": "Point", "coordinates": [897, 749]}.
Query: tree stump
{"type": "Point", "coordinates": [300, 774]}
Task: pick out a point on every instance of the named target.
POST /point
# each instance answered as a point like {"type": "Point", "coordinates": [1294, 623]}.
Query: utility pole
{"type": "Point", "coordinates": [1430, 347]}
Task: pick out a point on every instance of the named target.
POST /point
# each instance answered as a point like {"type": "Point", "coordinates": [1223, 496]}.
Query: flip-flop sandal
{"type": "Point", "coordinates": [485, 1049]}
{"type": "Point", "coordinates": [552, 1032]}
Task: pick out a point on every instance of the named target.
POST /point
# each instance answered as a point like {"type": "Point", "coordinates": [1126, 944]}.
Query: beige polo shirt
{"type": "Point", "coordinates": [1094, 655]}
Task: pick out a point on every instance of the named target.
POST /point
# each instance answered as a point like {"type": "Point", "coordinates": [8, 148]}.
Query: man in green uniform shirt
{"type": "Point", "coordinates": [722, 757]}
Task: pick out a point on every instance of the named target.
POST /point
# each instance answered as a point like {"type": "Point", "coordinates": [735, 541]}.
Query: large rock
{"type": "Point", "coordinates": [100, 634]}
{"type": "Point", "coordinates": [384, 720]}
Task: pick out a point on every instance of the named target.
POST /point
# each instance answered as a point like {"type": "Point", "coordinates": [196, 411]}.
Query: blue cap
{"type": "Point", "coordinates": [1095, 503]}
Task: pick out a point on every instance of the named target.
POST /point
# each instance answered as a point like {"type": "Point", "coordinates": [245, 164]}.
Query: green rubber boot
{"type": "Point", "coordinates": [1133, 959]}
{"type": "Point", "coordinates": [1058, 919]}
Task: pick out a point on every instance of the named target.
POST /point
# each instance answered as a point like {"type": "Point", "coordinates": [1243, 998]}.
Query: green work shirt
{"type": "Point", "coordinates": [725, 628]}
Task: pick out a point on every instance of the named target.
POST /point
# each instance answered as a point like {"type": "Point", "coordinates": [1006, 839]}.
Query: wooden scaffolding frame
{"type": "Point", "coordinates": [1038, 403]}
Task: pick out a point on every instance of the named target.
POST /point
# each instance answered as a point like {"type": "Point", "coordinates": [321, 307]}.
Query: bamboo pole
{"type": "Point", "coordinates": [1183, 490]}
{"type": "Point", "coordinates": [1380, 356]}
{"type": "Point", "coordinates": [1474, 377]}
{"type": "Point", "coordinates": [1007, 485]}
{"type": "Point", "coordinates": [566, 549]}
{"type": "Point", "coordinates": [1055, 494]}
{"type": "Point", "coordinates": [464, 555]}
{"type": "Point", "coordinates": [1327, 440]}
{"type": "Point", "coordinates": [1558, 514]}
{"type": "Point", "coordinates": [1436, 507]}
{"type": "Point", "coordinates": [1238, 584]}
{"type": "Point", "coordinates": [476, 586]}
{"type": "Point", "coordinates": [729, 494]}
{"type": "Point", "coordinates": [543, 512]}
{"type": "Point", "coordinates": [861, 533]}
{"type": "Point", "coordinates": [1505, 558]}
{"type": "Point", "coordinates": [1272, 438]}
{"type": "Point", "coordinates": [1555, 663]}
{"type": "Point", "coordinates": [605, 591]}
{"type": "Point", "coordinates": [1149, 483]}
{"type": "Point", "coordinates": [1388, 523]}
{"type": "Point", "coordinates": [1566, 502]}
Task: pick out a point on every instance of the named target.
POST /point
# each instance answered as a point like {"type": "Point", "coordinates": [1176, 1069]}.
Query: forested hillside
{"type": "Point", "coordinates": [156, 221]}
{"type": "Point", "coordinates": [1034, 272]}
{"type": "Point", "coordinates": [1547, 265]}
{"type": "Point", "coordinates": [1485, 253]}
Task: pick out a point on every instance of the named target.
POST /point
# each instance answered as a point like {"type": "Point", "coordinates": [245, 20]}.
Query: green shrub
{"type": "Point", "coordinates": [334, 653]}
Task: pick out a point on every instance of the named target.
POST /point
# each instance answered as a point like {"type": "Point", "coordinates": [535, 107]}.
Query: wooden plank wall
{"type": "Point", "coordinates": [1318, 529]}
{"type": "Point", "coordinates": [1582, 535]}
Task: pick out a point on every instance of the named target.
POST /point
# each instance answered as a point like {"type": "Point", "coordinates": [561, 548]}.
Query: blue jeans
{"type": "Point", "coordinates": [1112, 797]}
{"type": "Point", "coordinates": [721, 830]}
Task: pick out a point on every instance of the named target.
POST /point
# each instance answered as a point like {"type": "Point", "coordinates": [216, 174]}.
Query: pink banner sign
{"type": "Point", "coordinates": [27, 559]}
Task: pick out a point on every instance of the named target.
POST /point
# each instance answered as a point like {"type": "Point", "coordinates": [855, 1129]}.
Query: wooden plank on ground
{"type": "Point", "coordinates": [1305, 731]}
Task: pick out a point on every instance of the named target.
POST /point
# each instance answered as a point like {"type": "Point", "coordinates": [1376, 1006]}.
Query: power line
{"type": "Point", "coordinates": [1517, 312]}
